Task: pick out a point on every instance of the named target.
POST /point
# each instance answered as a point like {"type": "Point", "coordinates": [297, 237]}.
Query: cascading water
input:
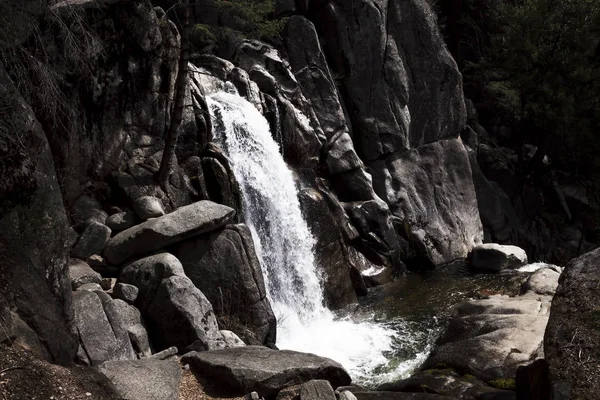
{"type": "Point", "coordinates": [285, 245]}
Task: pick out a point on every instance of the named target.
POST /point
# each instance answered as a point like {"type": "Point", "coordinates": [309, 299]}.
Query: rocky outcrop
{"type": "Point", "coordinates": [34, 279]}
{"type": "Point", "coordinates": [264, 370]}
{"type": "Point", "coordinates": [572, 339]}
{"type": "Point", "coordinates": [166, 290]}
{"type": "Point", "coordinates": [185, 222]}
{"type": "Point", "coordinates": [144, 379]}
{"type": "Point", "coordinates": [224, 266]}
{"type": "Point", "coordinates": [430, 188]}
{"type": "Point", "coordinates": [491, 338]}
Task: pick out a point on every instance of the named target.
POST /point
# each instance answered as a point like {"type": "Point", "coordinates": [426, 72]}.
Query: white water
{"type": "Point", "coordinates": [285, 246]}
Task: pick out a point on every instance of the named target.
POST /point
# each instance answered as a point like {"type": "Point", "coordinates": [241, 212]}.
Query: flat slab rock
{"type": "Point", "coordinates": [263, 370]}
{"type": "Point", "coordinates": [183, 223]}
{"type": "Point", "coordinates": [144, 379]}
{"type": "Point", "coordinates": [493, 257]}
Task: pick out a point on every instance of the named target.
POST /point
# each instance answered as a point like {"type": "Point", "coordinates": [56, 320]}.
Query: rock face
{"type": "Point", "coordinates": [34, 279]}
{"type": "Point", "coordinates": [144, 379]}
{"type": "Point", "coordinates": [492, 257]}
{"type": "Point", "coordinates": [263, 370]}
{"type": "Point", "coordinates": [175, 310]}
{"type": "Point", "coordinates": [185, 222]}
{"type": "Point", "coordinates": [572, 339]}
{"type": "Point", "coordinates": [431, 189]}
{"type": "Point", "coordinates": [402, 87]}
{"type": "Point", "coordinates": [491, 338]}
{"type": "Point", "coordinates": [224, 266]}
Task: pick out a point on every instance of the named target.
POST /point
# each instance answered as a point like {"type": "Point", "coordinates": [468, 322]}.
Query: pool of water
{"type": "Point", "coordinates": [418, 305]}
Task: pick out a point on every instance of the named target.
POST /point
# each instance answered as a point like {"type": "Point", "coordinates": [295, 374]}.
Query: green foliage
{"type": "Point", "coordinates": [253, 18]}
{"type": "Point", "coordinates": [506, 384]}
{"type": "Point", "coordinates": [542, 71]}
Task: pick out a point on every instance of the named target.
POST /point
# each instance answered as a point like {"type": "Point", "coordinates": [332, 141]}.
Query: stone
{"type": "Point", "coordinates": [92, 240]}
{"type": "Point", "coordinates": [166, 353]}
{"type": "Point", "coordinates": [101, 331]}
{"type": "Point", "coordinates": [317, 390]}
{"type": "Point", "coordinates": [120, 221]}
{"type": "Point", "coordinates": [430, 188]}
{"type": "Point", "coordinates": [544, 281]}
{"type": "Point", "coordinates": [492, 257]}
{"type": "Point", "coordinates": [491, 338]}
{"type": "Point", "coordinates": [107, 283]}
{"type": "Point", "coordinates": [165, 290]}
{"type": "Point", "coordinates": [230, 339]}
{"type": "Point", "coordinates": [346, 395]}
{"type": "Point", "coordinates": [329, 249]}
{"type": "Point", "coordinates": [81, 273]}
{"type": "Point", "coordinates": [181, 224]}
{"type": "Point", "coordinates": [87, 209]}
{"type": "Point", "coordinates": [377, 276]}
{"type": "Point", "coordinates": [400, 81]}
{"type": "Point", "coordinates": [90, 287]}
{"type": "Point", "coordinates": [148, 207]}
{"type": "Point", "coordinates": [289, 393]}
{"type": "Point", "coordinates": [136, 328]}
{"type": "Point", "coordinates": [572, 338]}
{"type": "Point", "coordinates": [144, 379]}
{"type": "Point", "coordinates": [266, 371]}
{"type": "Point", "coordinates": [125, 292]}
{"type": "Point", "coordinates": [401, 396]}
{"type": "Point", "coordinates": [224, 266]}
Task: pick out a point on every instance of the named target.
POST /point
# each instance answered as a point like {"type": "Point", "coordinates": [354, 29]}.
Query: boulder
{"type": "Point", "coordinates": [266, 371]}
{"type": "Point", "coordinates": [144, 379]}
{"type": "Point", "coordinates": [317, 390]}
{"type": "Point", "coordinates": [224, 266]}
{"type": "Point", "coordinates": [544, 281]}
{"type": "Point", "coordinates": [81, 273]}
{"type": "Point", "coordinates": [491, 338]}
{"type": "Point", "coordinates": [401, 396]}
{"type": "Point", "coordinates": [572, 339]}
{"type": "Point", "coordinates": [101, 330]}
{"type": "Point", "coordinates": [431, 189]}
{"type": "Point", "coordinates": [120, 221]}
{"type": "Point", "coordinates": [92, 240]}
{"type": "Point", "coordinates": [87, 209]}
{"type": "Point", "coordinates": [165, 290]}
{"type": "Point", "coordinates": [91, 287]}
{"type": "Point", "coordinates": [132, 320]}
{"type": "Point", "coordinates": [181, 224]}
{"type": "Point", "coordinates": [492, 257]}
{"type": "Point", "coordinates": [125, 292]}
{"type": "Point", "coordinates": [148, 207]}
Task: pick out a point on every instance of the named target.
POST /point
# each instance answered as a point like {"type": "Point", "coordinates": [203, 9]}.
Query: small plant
{"type": "Point", "coordinates": [505, 384]}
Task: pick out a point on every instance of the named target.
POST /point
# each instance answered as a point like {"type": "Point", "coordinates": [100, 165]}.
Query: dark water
{"type": "Point", "coordinates": [418, 305]}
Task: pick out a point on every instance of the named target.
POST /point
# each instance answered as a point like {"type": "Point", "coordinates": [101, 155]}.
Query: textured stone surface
{"type": "Point", "coordinates": [492, 257]}
{"type": "Point", "coordinates": [431, 188]}
{"type": "Point", "coordinates": [144, 379]}
{"type": "Point", "coordinates": [224, 266]}
{"type": "Point", "coordinates": [185, 222]}
{"type": "Point", "coordinates": [81, 273]}
{"type": "Point", "coordinates": [266, 371]}
{"type": "Point", "coordinates": [92, 240]}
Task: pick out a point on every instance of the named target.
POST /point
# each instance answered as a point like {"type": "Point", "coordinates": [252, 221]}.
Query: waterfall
{"type": "Point", "coordinates": [285, 245]}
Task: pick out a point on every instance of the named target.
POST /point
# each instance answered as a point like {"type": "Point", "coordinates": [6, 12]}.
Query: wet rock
{"type": "Point", "coordinates": [544, 281]}
{"type": "Point", "coordinates": [125, 292]}
{"type": "Point", "coordinates": [148, 207]}
{"type": "Point", "coordinates": [491, 338]}
{"type": "Point", "coordinates": [120, 221]}
{"type": "Point", "coordinates": [144, 379]}
{"type": "Point", "coordinates": [101, 331]}
{"type": "Point", "coordinates": [92, 240]}
{"type": "Point", "coordinates": [430, 188]}
{"type": "Point", "coordinates": [81, 273]}
{"type": "Point", "coordinates": [266, 371]}
{"type": "Point", "coordinates": [224, 266]}
{"type": "Point", "coordinates": [492, 257]}
{"type": "Point", "coordinates": [164, 289]}
{"type": "Point", "coordinates": [183, 223]}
